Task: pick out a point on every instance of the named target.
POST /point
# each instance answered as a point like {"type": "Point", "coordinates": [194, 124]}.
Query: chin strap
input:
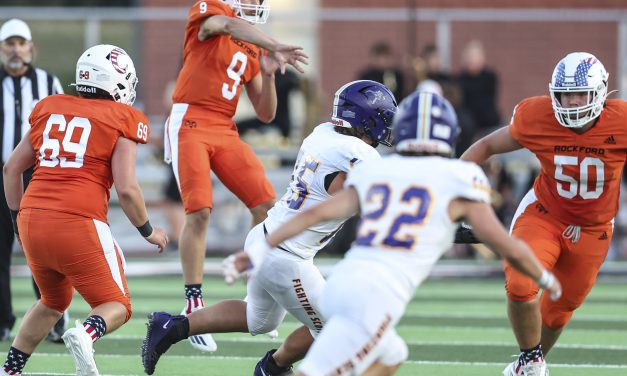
{"type": "Point", "coordinates": [573, 233]}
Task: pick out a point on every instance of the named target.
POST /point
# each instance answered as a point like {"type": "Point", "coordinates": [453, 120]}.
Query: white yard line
{"type": "Point", "coordinates": [426, 362]}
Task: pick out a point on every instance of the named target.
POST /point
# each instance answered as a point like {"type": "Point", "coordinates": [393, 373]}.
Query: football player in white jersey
{"type": "Point", "coordinates": [287, 280]}
{"type": "Point", "coordinates": [410, 204]}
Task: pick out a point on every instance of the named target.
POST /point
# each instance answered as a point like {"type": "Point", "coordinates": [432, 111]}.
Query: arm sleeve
{"type": "Point", "coordinates": [516, 124]}
{"type": "Point", "coordinates": [135, 127]}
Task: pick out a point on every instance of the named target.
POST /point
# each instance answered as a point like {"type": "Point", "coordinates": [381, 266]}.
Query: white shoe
{"type": "Point", "coordinates": [82, 348]}
{"type": "Point", "coordinates": [529, 369]}
{"type": "Point", "coordinates": [273, 334]}
{"type": "Point", "coordinates": [202, 342]}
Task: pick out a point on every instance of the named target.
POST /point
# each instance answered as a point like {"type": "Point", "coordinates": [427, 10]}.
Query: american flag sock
{"type": "Point", "coordinates": [531, 355]}
{"type": "Point", "coordinates": [193, 295]}
{"type": "Point", "coordinates": [95, 326]}
{"type": "Point", "coordinates": [16, 360]}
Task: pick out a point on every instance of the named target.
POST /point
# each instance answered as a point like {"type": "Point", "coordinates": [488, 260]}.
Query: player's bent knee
{"type": "Point", "coordinates": [556, 320]}
{"type": "Point", "coordinates": [262, 326]}
{"type": "Point", "coordinates": [396, 351]}
{"type": "Point", "coordinates": [521, 289]}
{"type": "Point", "coordinates": [55, 305]}
{"type": "Point", "coordinates": [262, 209]}
{"type": "Point", "coordinates": [129, 312]}
{"type": "Point", "coordinates": [199, 217]}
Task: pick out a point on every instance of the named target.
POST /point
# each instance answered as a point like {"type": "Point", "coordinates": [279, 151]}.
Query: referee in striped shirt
{"type": "Point", "coordinates": [21, 87]}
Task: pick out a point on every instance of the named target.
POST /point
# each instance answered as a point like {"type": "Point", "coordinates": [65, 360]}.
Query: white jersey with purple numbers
{"type": "Point", "coordinates": [322, 153]}
{"type": "Point", "coordinates": [405, 225]}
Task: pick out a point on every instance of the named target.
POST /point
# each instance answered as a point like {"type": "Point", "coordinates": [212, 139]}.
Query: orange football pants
{"type": "Point", "coordinates": [66, 252]}
{"type": "Point", "coordinates": [574, 264]}
{"type": "Point", "coordinates": [201, 144]}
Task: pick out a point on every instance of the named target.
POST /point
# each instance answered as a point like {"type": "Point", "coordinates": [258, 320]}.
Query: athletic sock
{"type": "Point", "coordinates": [95, 326]}
{"type": "Point", "coordinates": [271, 367]}
{"type": "Point", "coordinates": [178, 332]}
{"type": "Point", "coordinates": [531, 355]}
{"type": "Point", "coordinates": [193, 296]}
{"type": "Point", "coordinates": [16, 360]}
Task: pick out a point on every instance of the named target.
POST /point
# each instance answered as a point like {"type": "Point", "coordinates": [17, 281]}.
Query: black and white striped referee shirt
{"type": "Point", "coordinates": [17, 98]}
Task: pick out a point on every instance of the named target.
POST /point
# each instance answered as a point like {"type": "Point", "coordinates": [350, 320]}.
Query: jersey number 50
{"type": "Point", "coordinates": [573, 186]}
{"type": "Point", "coordinates": [52, 143]}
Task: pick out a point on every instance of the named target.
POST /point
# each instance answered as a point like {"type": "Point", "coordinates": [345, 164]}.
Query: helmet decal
{"type": "Point", "coordinates": [578, 72]}
{"type": "Point", "coordinates": [113, 56]}
{"type": "Point", "coordinates": [367, 106]}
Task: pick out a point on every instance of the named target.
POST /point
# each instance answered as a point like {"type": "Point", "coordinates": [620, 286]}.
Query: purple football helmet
{"type": "Point", "coordinates": [425, 123]}
{"type": "Point", "coordinates": [367, 106]}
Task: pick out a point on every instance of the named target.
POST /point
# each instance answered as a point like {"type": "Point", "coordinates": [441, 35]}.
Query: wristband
{"type": "Point", "coordinates": [14, 220]}
{"type": "Point", "coordinates": [546, 279]}
{"type": "Point", "coordinates": [145, 230]}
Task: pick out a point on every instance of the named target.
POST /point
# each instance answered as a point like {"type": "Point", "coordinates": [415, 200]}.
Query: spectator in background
{"type": "Point", "coordinates": [23, 85]}
{"type": "Point", "coordinates": [383, 69]}
{"type": "Point", "coordinates": [432, 67]}
{"type": "Point", "coordinates": [479, 87]}
{"type": "Point", "coordinates": [285, 85]}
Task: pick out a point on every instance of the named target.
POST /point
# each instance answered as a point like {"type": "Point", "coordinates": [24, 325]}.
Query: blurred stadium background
{"type": "Point", "coordinates": [522, 39]}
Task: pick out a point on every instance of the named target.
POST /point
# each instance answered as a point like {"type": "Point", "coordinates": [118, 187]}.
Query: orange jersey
{"type": "Point", "coordinates": [215, 69]}
{"type": "Point", "coordinates": [74, 140]}
{"type": "Point", "coordinates": [579, 182]}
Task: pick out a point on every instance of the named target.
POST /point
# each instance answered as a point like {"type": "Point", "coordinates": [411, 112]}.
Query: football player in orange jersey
{"type": "Point", "coordinates": [81, 147]}
{"type": "Point", "coordinates": [222, 51]}
{"type": "Point", "coordinates": [580, 138]}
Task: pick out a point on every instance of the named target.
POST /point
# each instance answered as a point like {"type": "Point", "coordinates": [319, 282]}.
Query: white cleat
{"type": "Point", "coordinates": [273, 334]}
{"type": "Point", "coordinates": [201, 342]}
{"type": "Point", "coordinates": [82, 348]}
{"type": "Point", "coordinates": [529, 369]}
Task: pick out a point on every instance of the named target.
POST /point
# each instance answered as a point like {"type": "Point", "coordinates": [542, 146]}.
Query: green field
{"type": "Point", "coordinates": [453, 327]}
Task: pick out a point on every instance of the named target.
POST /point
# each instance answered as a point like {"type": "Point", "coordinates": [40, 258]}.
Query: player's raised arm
{"type": "Point", "coordinates": [497, 142]}
{"type": "Point", "coordinates": [129, 193]}
{"type": "Point", "coordinates": [281, 54]}
{"type": "Point", "coordinates": [488, 229]}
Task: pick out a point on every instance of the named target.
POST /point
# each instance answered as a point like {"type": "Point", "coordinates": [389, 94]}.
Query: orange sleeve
{"type": "Point", "coordinates": [35, 114]}
{"type": "Point", "coordinates": [204, 9]}
{"type": "Point", "coordinates": [516, 125]}
{"type": "Point", "coordinates": [135, 126]}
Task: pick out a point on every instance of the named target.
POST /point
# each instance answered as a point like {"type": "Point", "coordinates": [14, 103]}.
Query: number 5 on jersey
{"type": "Point", "coordinates": [67, 146]}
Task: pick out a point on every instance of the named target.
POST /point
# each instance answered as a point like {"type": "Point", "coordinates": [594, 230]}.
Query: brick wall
{"type": "Point", "coordinates": [523, 54]}
{"type": "Point", "coordinates": [162, 57]}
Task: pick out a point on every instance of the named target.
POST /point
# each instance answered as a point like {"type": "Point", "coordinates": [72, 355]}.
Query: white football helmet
{"type": "Point", "coordinates": [253, 13]}
{"type": "Point", "coordinates": [579, 72]}
{"type": "Point", "coordinates": [108, 68]}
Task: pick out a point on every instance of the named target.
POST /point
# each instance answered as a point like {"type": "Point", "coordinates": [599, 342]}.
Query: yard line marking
{"type": "Point", "coordinates": [258, 339]}
{"type": "Point", "coordinates": [426, 362]}
{"type": "Point", "coordinates": [478, 315]}
{"type": "Point", "coordinates": [551, 365]}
